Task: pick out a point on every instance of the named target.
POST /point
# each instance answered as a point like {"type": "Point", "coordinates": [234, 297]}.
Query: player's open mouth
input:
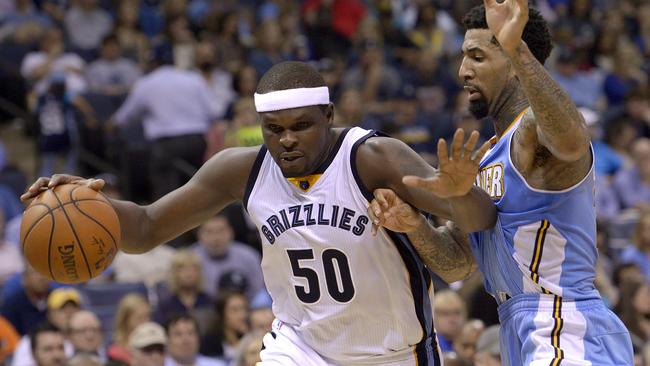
{"type": "Point", "coordinates": [290, 156]}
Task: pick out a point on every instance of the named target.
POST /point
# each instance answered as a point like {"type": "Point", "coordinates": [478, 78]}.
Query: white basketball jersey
{"type": "Point", "coordinates": [352, 297]}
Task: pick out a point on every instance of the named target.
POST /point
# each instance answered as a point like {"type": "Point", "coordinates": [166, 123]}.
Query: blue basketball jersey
{"type": "Point", "coordinates": [544, 241]}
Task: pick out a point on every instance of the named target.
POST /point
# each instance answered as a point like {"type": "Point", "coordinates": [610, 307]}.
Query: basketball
{"type": "Point", "coordinates": [69, 234]}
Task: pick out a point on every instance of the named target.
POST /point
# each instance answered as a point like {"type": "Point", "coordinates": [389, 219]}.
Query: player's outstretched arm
{"type": "Point", "coordinates": [444, 250]}
{"type": "Point", "coordinates": [219, 182]}
{"type": "Point", "coordinates": [560, 126]}
{"type": "Point", "coordinates": [448, 192]}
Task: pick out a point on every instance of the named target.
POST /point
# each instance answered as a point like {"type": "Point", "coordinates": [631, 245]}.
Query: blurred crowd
{"type": "Point", "coordinates": [141, 93]}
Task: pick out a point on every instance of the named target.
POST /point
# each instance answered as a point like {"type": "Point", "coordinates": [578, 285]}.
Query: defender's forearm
{"type": "Point", "coordinates": [444, 250]}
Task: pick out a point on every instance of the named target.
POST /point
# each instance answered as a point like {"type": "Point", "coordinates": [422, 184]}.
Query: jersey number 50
{"type": "Point", "coordinates": [337, 277]}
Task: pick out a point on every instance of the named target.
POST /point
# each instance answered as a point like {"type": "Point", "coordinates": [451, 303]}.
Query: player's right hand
{"type": "Point", "coordinates": [44, 183]}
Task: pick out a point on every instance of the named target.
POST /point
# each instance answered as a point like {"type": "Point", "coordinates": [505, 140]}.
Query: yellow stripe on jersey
{"type": "Point", "coordinates": [555, 333]}
{"type": "Point", "coordinates": [537, 253]}
{"type": "Point", "coordinates": [305, 183]}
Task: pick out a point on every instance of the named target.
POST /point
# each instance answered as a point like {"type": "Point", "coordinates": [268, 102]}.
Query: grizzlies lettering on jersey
{"type": "Point", "coordinates": [544, 241]}
{"type": "Point", "coordinates": [352, 297]}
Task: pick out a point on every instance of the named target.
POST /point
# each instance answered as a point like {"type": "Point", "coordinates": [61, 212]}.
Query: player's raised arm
{"type": "Point", "coordinates": [444, 250]}
{"type": "Point", "coordinates": [448, 192]}
{"type": "Point", "coordinates": [560, 126]}
{"type": "Point", "coordinates": [219, 182]}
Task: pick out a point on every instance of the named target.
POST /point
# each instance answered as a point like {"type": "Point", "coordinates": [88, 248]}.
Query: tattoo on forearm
{"type": "Point", "coordinates": [555, 112]}
{"type": "Point", "coordinates": [446, 254]}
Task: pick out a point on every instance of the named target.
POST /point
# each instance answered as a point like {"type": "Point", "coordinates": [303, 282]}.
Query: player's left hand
{"type": "Point", "coordinates": [457, 171]}
{"type": "Point", "coordinates": [507, 20]}
{"type": "Point", "coordinates": [390, 211]}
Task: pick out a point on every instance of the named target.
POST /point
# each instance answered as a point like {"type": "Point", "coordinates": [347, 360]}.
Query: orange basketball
{"type": "Point", "coordinates": [70, 233]}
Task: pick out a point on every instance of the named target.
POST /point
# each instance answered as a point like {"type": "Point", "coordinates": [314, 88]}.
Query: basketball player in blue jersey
{"type": "Point", "coordinates": [539, 260]}
{"type": "Point", "coordinates": [341, 296]}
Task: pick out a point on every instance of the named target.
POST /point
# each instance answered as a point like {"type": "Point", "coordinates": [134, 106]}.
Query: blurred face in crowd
{"type": "Point", "coordinates": [61, 316]}
{"type": "Point", "coordinates": [49, 349]}
{"type": "Point", "coordinates": [52, 41]}
{"type": "Point", "coordinates": [183, 343]}
{"type": "Point", "coordinates": [128, 14]}
{"type": "Point", "coordinates": [465, 344]}
{"type": "Point", "coordinates": [88, 5]}
{"type": "Point", "coordinates": [482, 71]}
{"type": "Point", "coordinates": [350, 106]}
{"type": "Point", "coordinates": [215, 235]}
{"type": "Point", "coordinates": [644, 232]}
{"type": "Point", "coordinates": [270, 36]}
{"type": "Point", "coordinates": [85, 332]}
{"type": "Point", "coordinates": [111, 50]}
{"type": "Point", "coordinates": [449, 317]}
{"type": "Point", "coordinates": [153, 355]}
{"type": "Point", "coordinates": [35, 284]}
{"type": "Point", "coordinates": [641, 300]}
{"type": "Point", "coordinates": [247, 81]}
{"type": "Point", "coordinates": [140, 315]}
{"type": "Point", "coordinates": [205, 56]}
{"type": "Point", "coordinates": [261, 319]}
{"type": "Point", "coordinates": [251, 354]}
{"type": "Point", "coordinates": [641, 155]}
{"type": "Point", "coordinates": [189, 276]}
{"type": "Point", "coordinates": [236, 314]}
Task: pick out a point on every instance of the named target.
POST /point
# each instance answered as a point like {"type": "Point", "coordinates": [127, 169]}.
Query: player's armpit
{"type": "Point", "coordinates": [444, 250]}
{"type": "Point", "coordinates": [219, 182]}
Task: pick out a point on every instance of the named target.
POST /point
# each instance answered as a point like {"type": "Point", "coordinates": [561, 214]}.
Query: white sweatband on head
{"type": "Point", "coordinates": [291, 98]}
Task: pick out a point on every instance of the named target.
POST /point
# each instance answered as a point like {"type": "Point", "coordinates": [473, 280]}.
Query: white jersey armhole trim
{"type": "Point", "coordinates": [514, 167]}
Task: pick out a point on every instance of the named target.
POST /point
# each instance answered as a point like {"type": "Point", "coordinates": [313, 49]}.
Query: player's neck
{"type": "Point", "coordinates": [508, 106]}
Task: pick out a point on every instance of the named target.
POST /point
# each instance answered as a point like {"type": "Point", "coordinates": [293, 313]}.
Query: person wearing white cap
{"type": "Point", "coordinates": [148, 343]}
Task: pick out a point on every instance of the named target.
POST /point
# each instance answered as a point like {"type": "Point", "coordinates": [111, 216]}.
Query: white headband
{"type": "Point", "coordinates": [291, 98]}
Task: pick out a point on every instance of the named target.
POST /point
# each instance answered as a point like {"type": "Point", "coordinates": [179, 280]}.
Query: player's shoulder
{"type": "Point", "coordinates": [378, 146]}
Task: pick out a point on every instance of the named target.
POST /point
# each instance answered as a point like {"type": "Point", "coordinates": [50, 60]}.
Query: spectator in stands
{"type": "Point", "coordinates": [148, 344]}
{"type": "Point", "coordinates": [25, 306]}
{"type": "Point", "coordinates": [465, 344]}
{"type": "Point", "coordinates": [244, 130]}
{"type": "Point", "coordinates": [488, 352]}
{"type": "Point", "coordinates": [132, 311]}
{"type": "Point", "coordinates": [85, 333]}
{"type": "Point", "coordinates": [39, 66]}
{"type": "Point", "coordinates": [633, 183]}
{"type": "Point", "coordinates": [376, 79]}
{"type": "Point", "coordinates": [62, 304]}
{"type": "Point", "coordinates": [185, 284]}
{"type": "Point", "coordinates": [639, 251]}
{"type": "Point", "coordinates": [634, 311]}
{"type": "Point", "coordinates": [8, 339]}
{"type": "Point", "coordinates": [584, 87]}
{"type": "Point", "coordinates": [449, 314]}
{"type": "Point", "coordinates": [11, 260]}
{"type": "Point", "coordinates": [86, 24]}
{"type": "Point", "coordinates": [112, 74]}
{"type": "Point", "coordinates": [219, 81]}
{"type": "Point", "coordinates": [47, 347]}
{"type": "Point", "coordinates": [135, 45]}
{"type": "Point", "coordinates": [249, 349]}
{"type": "Point", "coordinates": [176, 107]}
{"type": "Point", "coordinates": [627, 74]}
{"type": "Point", "coordinates": [151, 267]}
{"type": "Point", "coordinates": [183, 343]}
{"type": "Point", "coordinates": [84, 359]}
{"type": "Point", "coordinates": [268, 50]}
{"type": "Point", "coordinates": [221, 254]}
{"type": "Point", "coordinates": [230, 326]}
{"type": "Point", "coordinates": [261, 313]}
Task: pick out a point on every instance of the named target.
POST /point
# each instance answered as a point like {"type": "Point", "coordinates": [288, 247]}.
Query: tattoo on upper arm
{"type": "Point", "coordinates": [554, 109]}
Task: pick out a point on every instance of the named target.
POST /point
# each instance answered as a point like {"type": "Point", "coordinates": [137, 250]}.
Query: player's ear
{"type": "Point", "coordinates": [329, 113]}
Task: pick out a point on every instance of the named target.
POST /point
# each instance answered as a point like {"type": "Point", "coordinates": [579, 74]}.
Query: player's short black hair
{"type": "Point", "coordinates": [289, 75]}
{"type": "Point", "coordinates": [536, 33]}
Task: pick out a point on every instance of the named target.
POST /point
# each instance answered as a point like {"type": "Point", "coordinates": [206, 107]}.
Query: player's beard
{"type": "Point", "coordinates": [479, 108]}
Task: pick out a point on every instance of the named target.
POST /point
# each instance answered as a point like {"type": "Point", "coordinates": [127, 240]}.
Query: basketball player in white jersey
{"type": "Point", "coordinates": [341, 296]}
{"type": "Point", "coordinates": [539, 259]}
